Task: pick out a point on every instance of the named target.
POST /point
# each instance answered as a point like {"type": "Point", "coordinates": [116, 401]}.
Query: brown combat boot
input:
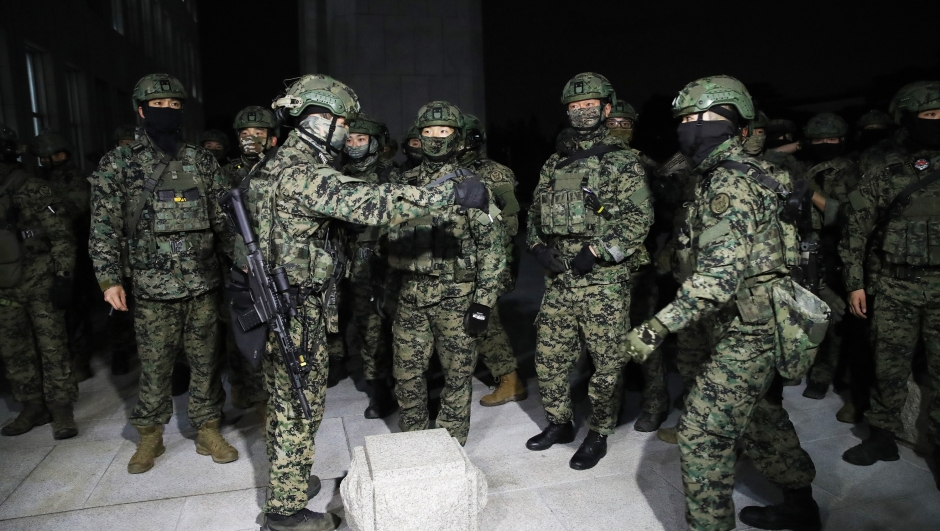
{"type": "Point", "coordinates": [149, 448]}
{"type": "Point", "coordinates": [209, 441]}
{"type": "Point", "coordinates": [34, 414]}
{"type": "Point", "coordinates": [63, 421]}
{"type": "Point", "coordinates": [668, 435]}
{"type": "Point", "coordinates": [510, 389]}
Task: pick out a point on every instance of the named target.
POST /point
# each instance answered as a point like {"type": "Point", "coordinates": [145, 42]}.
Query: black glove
{"type": "Point", "coordinates": [594, 203]}
{"type": "Point", "coordinates": [548, 258]}
{"type": "Point", "coordinates": [476, 319]}
{"type": "Point", "coordinates": [584, 262]}
{"type": "Point", "coordinates": [378, 301]}
{"type": "Point", "coordinates": [471, 193]}
{"type": "Point", "coordinates": [61, 293]}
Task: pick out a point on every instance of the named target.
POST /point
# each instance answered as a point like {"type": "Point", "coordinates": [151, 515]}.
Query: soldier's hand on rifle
{"type": "Point", "coordinates": [644, 339]}
{"type": "Point", "coordinates": [858, 304]}
{"type": "Point", "coordinates": [116, 297]}
{"type": "Point", "coordinates": [476, 319]}
{"type": "Point", "coordinates": [548, 258]}
{"type": "Point", "coordinates": [471, 193]}
{"type": "Point", "coordinates": [378, 301]}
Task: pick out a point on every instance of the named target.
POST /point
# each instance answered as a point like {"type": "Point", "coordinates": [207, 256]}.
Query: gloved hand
{"type": "Point", "coordinates": [594, 203]}
{"type": "Point", "coordinates": [548, 258]}
{"type": "Point", "coordinates": [61, 293]}
{"type": "Point", "coordinates": [471, 193]}
{"type": "Point", "coordinates": [583, 262]}
{"type": "Point", "coordinates": [644, 339]}
{"type": "Point", "coordinates": [476, 320]}
{"type": "Point", "coordinates": [378, 301]}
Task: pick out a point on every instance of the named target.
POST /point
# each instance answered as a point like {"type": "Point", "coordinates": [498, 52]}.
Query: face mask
{"type": "Point", "coordinates": [775, 142]}
{"type": "Point", "coordinates": [163, 120]}
{"type": "Point", "coordinates": [825, 152]}
{"type": "Point", "coordinates": [360, 152]}
{"type": "Point", "coordinates": [318, 128]}
{"type": "Point", "coordinates": [926, 132]}
{"type": "Point", "coordinates": [585, 118]}
{"type": "Point", "coordinates": [252, 146]}
{"type": "Point", "coordinates": [623, 134]}
{"type": "Point", "coordinates": [414, 154]}
{"type": "Point", "coordinates": [754, 144]}
{"type": "Point", "coordinates": [219, 154]}
{"type": "Point", "coordinates": [437, 149]}
{"type": "Point", "coordinates": [697, 140]}
{"type": "Point", "coordinates": [869, 137]}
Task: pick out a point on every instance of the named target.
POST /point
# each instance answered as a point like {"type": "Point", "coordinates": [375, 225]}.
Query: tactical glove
{"type": "Point", "coordinates": [471, 193]}
{"type": "Point", "coordinates": [378, 301]}
{"type": "Point", "coordinates": [548, 258]}
{"type": "Point", "coordinates": [61, 293]}
{"type": "Point", "coordinates": [476, 320]}
{"type": "Point", "coordinates": [644, 339]}
{"type": "Point", "coordinates": [583, 262]}
{"type": "Point", "coordinates": [594, 203]}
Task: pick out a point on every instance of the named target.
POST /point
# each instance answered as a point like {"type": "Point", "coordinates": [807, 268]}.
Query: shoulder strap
{"type": "Point", "coordinates": [145, 194]}
{"type": "Point", "coordinates": [243, 185]}
{"type": "Point", "coordinates": [460, 172]}
{"type": "Point", "coordinates": [596, 150]}
{"type": "Point", "coordinates": [908, 191]}
{"type": "Point", "coordinates": [758, 175]}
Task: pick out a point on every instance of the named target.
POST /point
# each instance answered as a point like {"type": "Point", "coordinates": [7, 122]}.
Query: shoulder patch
{"type": "Point", "coordinates": [45, 191]}
{"type": "Point", "coordinates": [638, 168]}
{"type": "Point", "coordinates": [720, 203]}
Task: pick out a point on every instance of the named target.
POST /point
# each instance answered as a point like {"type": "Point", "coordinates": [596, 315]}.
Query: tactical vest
{"type": "Point", "coordinates": [912, 235]}
{"type": "Point", "coordinates": [563, 209]}
{"type": "Point", "coordinates": [439, 245]}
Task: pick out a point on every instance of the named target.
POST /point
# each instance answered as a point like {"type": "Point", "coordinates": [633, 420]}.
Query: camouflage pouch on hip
{"type": "Point", "coordinates": [801, 322]}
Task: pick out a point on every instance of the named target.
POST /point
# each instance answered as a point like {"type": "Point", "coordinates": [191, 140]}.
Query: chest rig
{"type": "Point", "coordinates": [912, 234]}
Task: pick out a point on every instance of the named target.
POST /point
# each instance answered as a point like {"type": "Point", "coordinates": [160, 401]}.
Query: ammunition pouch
{"type": "Point", "coordinates": [801, 320]}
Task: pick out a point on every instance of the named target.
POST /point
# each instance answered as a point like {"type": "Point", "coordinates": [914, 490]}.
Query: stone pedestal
{"type": "Point", "coordinates": [915, 416]}
{"type": "Point", "coordinates": [419, 481]}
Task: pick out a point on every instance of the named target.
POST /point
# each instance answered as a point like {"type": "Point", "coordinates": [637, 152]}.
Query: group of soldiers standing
{"type": "Point", "coordinates": [417, 255]}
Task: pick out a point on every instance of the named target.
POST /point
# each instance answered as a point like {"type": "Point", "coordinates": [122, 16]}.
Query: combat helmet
{"type": "Point", "coordinates": [703, 94]}
{"type": "Point", "coordinates": [474, 132]}
{"type": "Point", "coordinates": [157, 86]}
{"type": "Point", "coordinates": [874, 118]}
{"type": "Point", "coordinates": [825, 125]}
{"type": "Point", "coordinates": [588, 86]}
{"type": "Point", "coordinates": [48, 143]}
{"type": "Point", "coordinates": [915, 98]}
{"type": "Point", "coordinates": [255, 116]}
{"type": "Point", "coordinates": [318, 90]}
{"type": "Point", "coordinates": [622, 109]}
{"type": "Point", "coordinates": [760, 120]}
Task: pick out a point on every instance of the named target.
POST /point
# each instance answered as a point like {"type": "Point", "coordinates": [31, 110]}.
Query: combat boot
{"type": "Point", "coordinates": [209, 441]}
{"type": "Point", "coordinates": [63, 421]}
{"type": "Point", "coordinates": [847, 413]}
{"type": "Point", "coordinates": [592, 450]}
{"type": "Point", "coordinates": [668, 435]}
{"type": "Point", "coordinates": [798, 512]}
{"type": "Point", "coordinates": [815, 390]}
{"type": "Point", "coordinates": [650, 421]}
{"type": "Point", "coordinates": [149, 448]}
{"type": "Point", "coordinates": [383, 402]}
{"type": "Point", "coordinates": [313, 487]}
{"type": "Point", "coordinates": [34, 414]}
{"type": "Point", "coordinates": [302, 520]}
{"type": "Point", "coordinates": [879, 446]}
{"type": "Point", "coordinates": [510, 389]}
{"type": "Point", "coordinates": [337, 373]}
{"type": "Point", "coordinates": [552, 434]}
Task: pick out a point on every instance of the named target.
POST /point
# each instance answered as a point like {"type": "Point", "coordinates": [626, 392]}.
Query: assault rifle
{"type": "Point", "coordinates": [273, 301]}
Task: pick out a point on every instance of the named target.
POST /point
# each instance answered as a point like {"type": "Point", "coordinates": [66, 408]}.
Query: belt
{"type": "Point", "coordinates": [906, 272]}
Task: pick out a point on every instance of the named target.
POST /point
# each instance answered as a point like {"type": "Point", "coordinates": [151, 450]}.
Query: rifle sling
{"type": "Point", "coordinates": [903, 196]}
{"type": "Point", "coordinates": [460, 172]}
{"type": "Point", "coordinates": [596, 150]}
{"type": "Point", "coordinates": [145, 194]}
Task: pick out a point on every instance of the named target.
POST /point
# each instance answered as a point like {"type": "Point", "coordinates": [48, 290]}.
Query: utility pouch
{"type": "Point", "coordinates": [801, 322]}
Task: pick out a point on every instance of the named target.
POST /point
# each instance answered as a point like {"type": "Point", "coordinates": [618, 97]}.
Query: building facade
{"type": "Point", "coordinates": [71, 65]}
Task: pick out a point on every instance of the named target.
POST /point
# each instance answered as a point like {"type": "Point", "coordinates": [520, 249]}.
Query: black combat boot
{"type": "Point", "coordinates": [879, 446]}
{"type": "Point", "coordinates": [552, 434]}
{"type": "Point", "coordinates": [592, 450]}
{"type": "Point", "coordinates": [650, 421]}
{"type": "Point", "coordinates": [798, 512]}
{"type": "Point", "coordinates": [337, 373]}
{"type": "Point", "coordinates": [34, 414]}
{"type": "Point", "coordinates": [815, 390]}
{"type": "Point", "coordinates": [63, 421]}
{"type": "Point", "coordinates": [382, 403]}
{"type": "Point", "coordinates": [313, 487]}
{"type": "Point", "coordinates": [302, 520]}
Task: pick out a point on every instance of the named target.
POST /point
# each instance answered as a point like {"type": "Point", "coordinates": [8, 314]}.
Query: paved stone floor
{"type": "Point", "coordinates": [82, 484]}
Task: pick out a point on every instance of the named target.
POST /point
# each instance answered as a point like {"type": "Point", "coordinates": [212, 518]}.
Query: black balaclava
{"type": "Point", "coordinates": [869, 137]}
{"type": "Point", "coordinates": [925, 133]}
{"type": "Point", "coordinates": [698, 139]}
{"type": "Point", "coordinates": [826, 152]}
{"type": "Point", "coordinates": [162, 124]}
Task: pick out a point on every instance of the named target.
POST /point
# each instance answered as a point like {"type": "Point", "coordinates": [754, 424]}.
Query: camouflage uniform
{"type": "Point", "coordinates": [175, 271]}
{"type": "Point", "coordinates": [32, 330]}
{"type": "Point", "coordinates": [596, 304]}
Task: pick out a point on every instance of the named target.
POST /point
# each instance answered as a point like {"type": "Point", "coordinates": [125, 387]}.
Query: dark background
{"type": "Point", "coordinates": [797, 59]}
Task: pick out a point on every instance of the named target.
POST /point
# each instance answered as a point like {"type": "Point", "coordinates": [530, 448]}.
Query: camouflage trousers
{"type": "Point", "coordinates": [728, 403]}
{"type": "Point", "coordinates": [906, 311]}
{"type": "Point", "coordinates": [693, 349]}
{"type": "Point", "coordinates": [289, 435]}
{"type": "Point", "coordinates": [164, 329]}
{"type": "Point", "coordinates": [601, 315]}
{"type": "Point", "coordinates": [494, 348]}
{"type": "Point", "coordinates": [643, 296]}
{"type": "Point", "coordinates": [827, 357]}
{"type": "Point", "coordinates": [375, 333]}
{"type": "Point", "coordinates": [417, 331]}
{"type": "Point", "coordinates": [35, 345]}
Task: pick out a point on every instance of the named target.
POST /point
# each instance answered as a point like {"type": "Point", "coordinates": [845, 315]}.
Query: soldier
{"type": "Point", "coordinates": [453, 268]}
{"type": "Point", "coordinates": [161, 197]}
{"type": "Point", "coordinates": [779, 146]}
{"type": "Point", "coordinates": [832, 178]}
{"type": "Point", "coordinates": [896, 212]}
{"type": "Point", "coordinates": [739, 250]}
{"type": "Point", "coordinates": [124, 135]}
{"type": "Point", "coordinates": [644, 291]}
{"type": "Point", "coordinates": [56, 168]}
{"type": "Point", "coordinates": [494, 347]}
{"type": "Point", "coordinates": [871, 129]}
{"type": "Point", "coordinates": [292, 198]}
{"type": "Point", "coordinates": [217, 143]}
{"type": "Point", "coordinates": [365, 151]}
{"type": "Point", "coordinates": [411, 147]}
{"type": "Point", "coordinates": [589, 255]}
{"type": "Point", "coordinates": [37, 256]}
